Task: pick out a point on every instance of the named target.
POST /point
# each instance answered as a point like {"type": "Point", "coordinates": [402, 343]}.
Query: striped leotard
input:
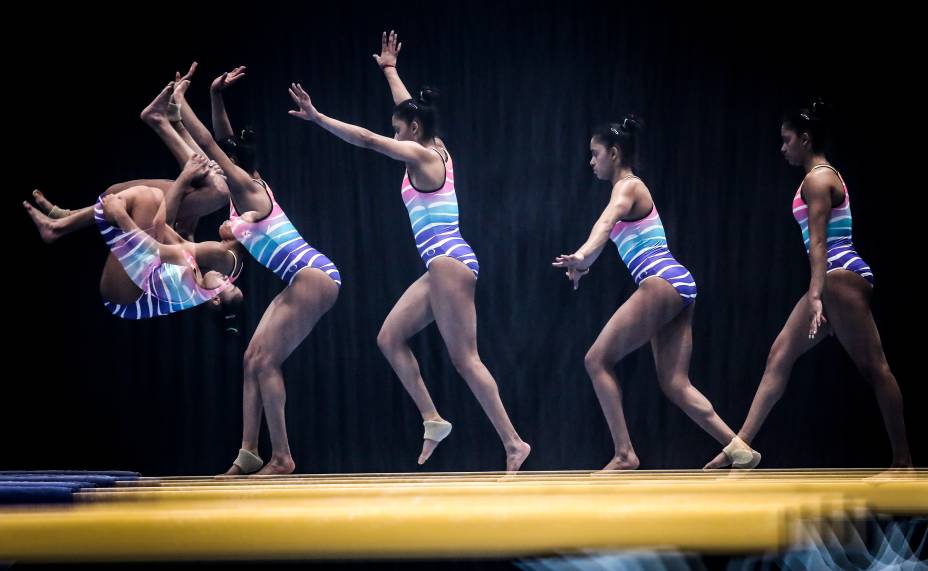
{"type": "Point", "coordinates": [841, 254]}
{"type": "Point", "coordinates": [166, 288]}
{"type": "Point", "coordinates": [434, 219]}
{"type": "Point", "coordinates": [642, 245]}
{"type": "Point", "coordinates": [275, 243]}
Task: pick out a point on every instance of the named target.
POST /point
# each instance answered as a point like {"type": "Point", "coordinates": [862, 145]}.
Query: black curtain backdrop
{"type": "Point", "coordinates": [522, 86]}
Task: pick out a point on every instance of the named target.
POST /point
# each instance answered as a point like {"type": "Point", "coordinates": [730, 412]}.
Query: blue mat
{"type": "Point", "coordinates": [90, 479]}
{"type": "Point", "coordinates": [27, 494]}
{"type": "Point", "coordinates": [70, 484]}
{"type": "Point", "coordinates": [19, 487]}
{"type": "Point", "coordinates": [121, 474]}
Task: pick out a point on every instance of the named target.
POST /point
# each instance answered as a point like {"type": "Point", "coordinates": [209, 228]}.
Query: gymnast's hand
{"type": "Point", "coordinates": [226, 80]}
{"type": "Point", "coordinates": [196, 168]}
{"type": "Point", "coordinates": [306, 110]}
{"type": "Point", "coordinates": [389, 48]}
{"type": "Point", "coordinates": [114, 207]}
{"type": "Point", "coordinates": [574, 263]}
{"type": "Point", "coordinates": [217, 170]}
{"type": "Point", "coordinates": [817, 319]}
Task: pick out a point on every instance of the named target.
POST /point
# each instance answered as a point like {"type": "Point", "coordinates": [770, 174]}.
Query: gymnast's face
{"type": "Point", "coordinates": [795, 146]}
{"type": "Point", "coordinates": [403, 131]}
{"type": "Point", "coordinates": [232, 296]}
{"type": "Point", "coordinates": [604, 161]}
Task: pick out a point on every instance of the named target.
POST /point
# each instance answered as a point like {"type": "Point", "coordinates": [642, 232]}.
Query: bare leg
{"type": "Point", "coordinates": [789, 345]}
{"type": "Point", "coordinates": [155, 116]}
{"type": "Point", "coordinates": [287, 321]}
{"type": "Point", "coordinates": [51, 229]}
{"type": "Point", "coordinates": [146, 207]}
{"type": "Point", "coordinates": [252, 413]}
{"type": "Point", "coordinates": [185, 135]}
{"type": "Point", "coordinates": [47, 207]}
{"type": "Point", "coordinates": [411, 314]}
{"type": "Point", "coordinates": [672, 348]}
{"type": "Point", "coordinates": [204, 201]}
{"type": "Point", "coordinates": [451, 294]}
{"type": "Point", "coordinates": [652, 306]}
{"type": "Point", "coordinates": [847, 305]}
{"type": "Point", "coordinates": [182, 147]}
{"type": "Point", "coordinates": [162, 184]}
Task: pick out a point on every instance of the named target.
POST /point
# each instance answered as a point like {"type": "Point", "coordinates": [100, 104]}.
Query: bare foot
{"type": "Point", "coordinates": [516, 456]}
{"type": "Point", "coordinates": [277, 466]}
{"type": "Point", "coordinates": [894, 473]}
{"type": "Point", "coordinates": [902, 464]}
{"type": "Point", "coordinates": [720, 461]}
{"type": "Point", "coordinates": [157, 111]}
{"type": "Point", "coordinates": [738, 454]}
{"type": "Point", "coordinates": [46, 226]}
{"type": "Point", "coordinates": [429, 445]}
{"type": "Point", "coordinates": [619, 462]}
{"type": "Point", "coordinates": [234, 470]}
{"type": "Point", "coordinates": [43, 203]}
{"type": "Point", "coordinates": [246, 463]}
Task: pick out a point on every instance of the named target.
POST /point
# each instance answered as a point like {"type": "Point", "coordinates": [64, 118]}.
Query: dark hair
{"type": "Point", "coordinates": [622, 135]}
{"type": "Point", "coordinates": [422, 109]}
{"type": "Point", "coordinates": [812, 120]}
{"type": "Point", "coordinates": [229, 318]}
{"type": "Point", "coordinates": [242, 150]}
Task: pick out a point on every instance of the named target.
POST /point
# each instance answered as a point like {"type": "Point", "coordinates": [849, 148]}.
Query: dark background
{"type": "Point", "coordinates": [522, 89]}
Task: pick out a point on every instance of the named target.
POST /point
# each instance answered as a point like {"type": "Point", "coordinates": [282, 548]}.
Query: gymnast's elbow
{"type": "Point", "coordinates": [366, 139]}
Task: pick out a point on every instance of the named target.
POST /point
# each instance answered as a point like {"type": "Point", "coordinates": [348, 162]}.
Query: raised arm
{"type": "Point", "coordinates": [236, 177]}
{"type": "Point", "coordinates": [196, 168]}
{"type": "Point", "coordinates": [390, 47]}
{"type": "Point", "coordinates": [222, 127]}
{"type": "Point", "coordinates": [406, 151]}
